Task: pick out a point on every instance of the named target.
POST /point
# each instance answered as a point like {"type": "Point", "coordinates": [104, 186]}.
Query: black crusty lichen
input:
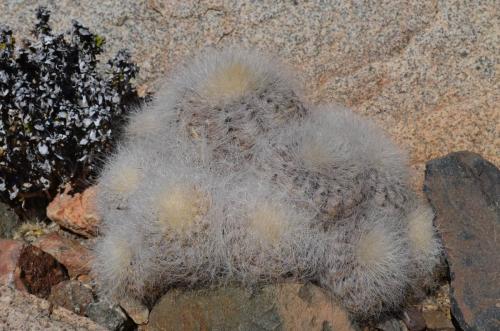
{"type": "Point", "coordinates": [59, 110]}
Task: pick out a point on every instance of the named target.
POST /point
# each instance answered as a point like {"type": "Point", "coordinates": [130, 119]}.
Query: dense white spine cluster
{"type": "Point", "coordinates": [229, 177]}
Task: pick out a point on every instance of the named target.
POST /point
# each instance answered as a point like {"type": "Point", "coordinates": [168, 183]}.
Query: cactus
{"type": "Point", "coordinates": [366, 265]}
{"type": "Point", "coordinates": [223, 101]}
{"type": "Point", "coordinates": [227, 176]}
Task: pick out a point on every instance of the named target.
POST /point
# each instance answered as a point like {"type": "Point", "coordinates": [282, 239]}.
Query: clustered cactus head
{"type": "Point", "coordinates": [226, 100]}
{"type": "Point", "coordinates": [234, 179]}
{"type": "Point", "coordinates": [59, 113]}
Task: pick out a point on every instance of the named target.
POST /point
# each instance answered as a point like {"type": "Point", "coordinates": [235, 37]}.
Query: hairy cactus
{"type": "Point", "coordinates": [59, 113]}
{"type": "Point", "coordinates": [229, 177]}
{"type": "Point", "coordinates": [338, 164]}
{"type": "Point", "coordinates": [223, 101]}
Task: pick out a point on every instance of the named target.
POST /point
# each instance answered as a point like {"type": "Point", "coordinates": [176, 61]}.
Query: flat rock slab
{"type": "Point", "coordinates": [69, 252]}
{"type": "Point", "coordinates": [464, 190]}
{"type": "Point", "coordinates": [273, 307]}
{"type": "Point", "coordinates": [72, 295]}
{"type": "Point", "coordinates": [23, 311]}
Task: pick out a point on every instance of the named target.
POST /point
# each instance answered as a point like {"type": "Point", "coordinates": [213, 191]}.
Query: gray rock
{"type": "Point", "coordinates": [464, 190]}
{"type": "Point", "coordinates": [110, 316]}
{"type": "Point", "coordinates": [72, 295]}
{"type": "Point", "coordinates": [273, 307]}
{"type": "Point", "coordinates": [8, 221]}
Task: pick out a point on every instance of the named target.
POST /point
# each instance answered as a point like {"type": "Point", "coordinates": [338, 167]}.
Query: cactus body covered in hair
{"type": "Point", "coordinates": [229, 177]}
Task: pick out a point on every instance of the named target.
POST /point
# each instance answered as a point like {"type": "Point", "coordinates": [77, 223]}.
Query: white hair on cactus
{"type": "Point", "coordinates": [126, 180]}
{"type": "Point", "coordinates": [231, 81]}
{"type": "Point", "coordinates": [330, 162]}
{"type": "Point", "coordinates": [420, 229]}
{"type": "Point", "coordinates": [424, 243]}
{"type": "Point", "coordinates": [121, 262]}
{"type": "Point", "coordinates": [145, 123]}
{"type": "Point", "coordinates": [268, 223]}
{"type": "Point", "coordinates": [227, 177]}
{"type": "Point", "coordinates": [227, 99]}
{"type": "Point", "coordinates": [336, 138]}
{"type": "Point", "coordinates": [265, 237]}
{"type": "Point", "coordinates": [368, 265]}
{"type": "Point", "coordinates": [176, 210]}
{"type": "Point", "coordinates": [375, 249]}
{"type": "Point", "coordinates": [181, 206]}
{"type": "Point", "coordinates": [121, 176]}
{"type": "Point", "coordinates": [219, 76]}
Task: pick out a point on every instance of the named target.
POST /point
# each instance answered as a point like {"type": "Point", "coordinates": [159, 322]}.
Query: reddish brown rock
{"type": "Point", "coordinates": [75, 212]}
{"type": "Point", "coordinates": [73, 255]}
{"type": "Point", "coordinates": [10, 251]}
{"type": "Point", "coordinates": [72, 295]}
{"type": "Point", "coordinates": [464, 190]}
{"type": "Point", "coordinates": [39, 271]}
{"type": "Point", "coordinates": [274, 307]}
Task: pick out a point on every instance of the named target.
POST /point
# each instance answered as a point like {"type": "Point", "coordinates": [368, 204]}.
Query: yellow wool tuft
{"type": "Point", "coordinates": [420, 229]}
{"type": "Point", "coordinates": [180, 207]}
{"type": "Point", "coordinates": [230, 82]}
{"type": "Point", "coordinates": [373, 248]}
{"type": "Point", "coordinates": [121, 254]}
{"type": "Point", "coordinates": [143, 125]}
{"type": "Point", "coordinates": [268, 222]}
{"type": "Point", "coordinates": [315, 154]}
{"type": "Point", "coordinates": [125, 180]}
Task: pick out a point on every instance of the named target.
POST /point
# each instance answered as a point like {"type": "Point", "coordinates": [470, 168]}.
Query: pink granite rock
{"type": "Point", "coordinates": [75, 212]}
{"type": "Point", "coordinates": [73, 255]}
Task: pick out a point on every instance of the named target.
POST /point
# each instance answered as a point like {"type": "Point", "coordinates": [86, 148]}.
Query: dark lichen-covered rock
{"type": "Point", "coordinates": [464, 190]}
{"type": "Point", "coordinates": [109, 315]}
{"type": "Point", "coordinates": [9, 221]}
